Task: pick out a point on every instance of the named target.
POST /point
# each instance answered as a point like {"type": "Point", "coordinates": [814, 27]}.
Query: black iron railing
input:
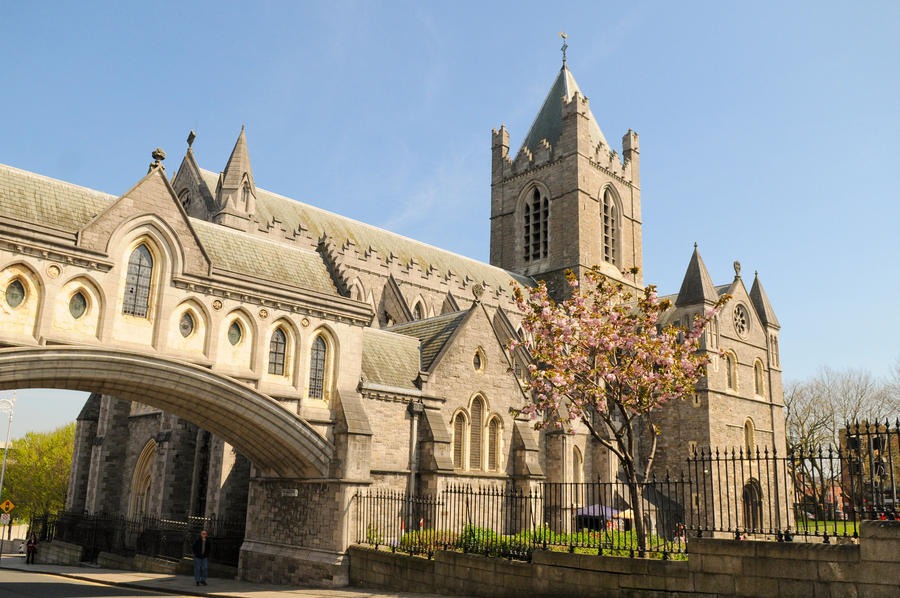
{"type": "Point", "coordinates": [734, 493]}
{"type": "Point", "coordinates": [150, 536]}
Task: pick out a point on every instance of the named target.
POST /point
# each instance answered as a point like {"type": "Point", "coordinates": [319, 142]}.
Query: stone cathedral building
{"type": "Point", "coordinates": [366, 359]}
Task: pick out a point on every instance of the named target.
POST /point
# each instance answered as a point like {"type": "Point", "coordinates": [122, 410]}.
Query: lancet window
{"type": "Point", "coordinates": [610, 229]}
{"type": "Point", "coordinates": [137, 283]}
{"type": "Point", "coordinates": [537, 226]}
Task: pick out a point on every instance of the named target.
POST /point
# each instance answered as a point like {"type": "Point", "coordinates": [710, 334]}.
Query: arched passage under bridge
{"type": "Point", "coordinates": [279, 443]}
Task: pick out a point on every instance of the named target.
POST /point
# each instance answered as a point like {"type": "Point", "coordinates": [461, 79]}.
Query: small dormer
{"type": "Point", "coordinates": [236, 191]}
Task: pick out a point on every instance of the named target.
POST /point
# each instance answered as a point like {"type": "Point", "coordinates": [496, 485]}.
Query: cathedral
{"type": "Point", "coordinates": [389, 355]}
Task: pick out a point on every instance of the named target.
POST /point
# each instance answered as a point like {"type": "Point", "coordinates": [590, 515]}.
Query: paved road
{"type": "Point", "coordinates": [16, 584]}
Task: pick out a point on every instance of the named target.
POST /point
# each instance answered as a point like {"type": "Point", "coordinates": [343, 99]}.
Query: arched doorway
{"type": "Point", "coordinates": [142, 480]}
{"type": "Point", "coordinates": [751, 500]}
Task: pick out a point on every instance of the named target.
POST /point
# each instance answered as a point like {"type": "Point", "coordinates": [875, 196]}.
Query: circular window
{"type": "Point", "coordinates": [186, 325]}
{"type": "Point", "coordinates": [741, 320]}
{"type": "Point", "coordinates": [77, 305]}
{"type": "Point", "coordinates": [15, 293]}
{"type": "Point", "coordinates": [235, 333]}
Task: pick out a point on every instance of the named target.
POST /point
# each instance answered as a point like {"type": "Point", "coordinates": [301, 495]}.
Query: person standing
{"type": "Point", "coordinates": [30, 550]}
{"type": "Point", "coordinates": [201, 559]}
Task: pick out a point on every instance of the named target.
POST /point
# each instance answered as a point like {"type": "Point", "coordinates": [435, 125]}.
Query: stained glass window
{"type": "Point", "coordinates": [137, 283]}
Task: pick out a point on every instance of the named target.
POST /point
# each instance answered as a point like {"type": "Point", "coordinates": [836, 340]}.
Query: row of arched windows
{"type": "Point", "coordinates": [731, 375]}
{"type": "Point", "coordinates": [476, 438]}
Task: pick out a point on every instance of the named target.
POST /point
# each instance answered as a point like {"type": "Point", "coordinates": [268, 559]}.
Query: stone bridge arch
{"type": "Point", "coordinates": [279, 443]}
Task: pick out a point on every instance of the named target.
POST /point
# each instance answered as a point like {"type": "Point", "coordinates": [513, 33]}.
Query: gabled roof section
{"type": "Point", "coordinates": [30, 197]}
{"type": "Point", "coordinates": [295, 215]}
{"type": "Point", "coordinates": [390, 359]}
{"type": "Point", "coordinates": [548, 123]}
{"type": "Point", "coordinates": [761, 303]}
{"type": "Point", "coordinates": [248, 255]}
{"type": "Point", "coordinates": [697, 286]}
{"type": "Point", "coordinates": [238, 165]}
{"type": "Point", "coordinates": [433, 333]}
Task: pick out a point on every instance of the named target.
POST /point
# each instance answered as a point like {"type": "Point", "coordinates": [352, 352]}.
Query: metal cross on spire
{"type": "Point", "coordinates": [565, 46]}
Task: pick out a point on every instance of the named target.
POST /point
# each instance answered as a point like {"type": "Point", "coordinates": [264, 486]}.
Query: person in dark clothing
{"type": "Point", "coordinates": [201, 559]}
{"type": "Point", "coordinates": [30, 550]}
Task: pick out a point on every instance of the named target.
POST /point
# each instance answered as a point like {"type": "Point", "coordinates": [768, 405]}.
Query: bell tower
{"type": "Point", "coordinates": [568, 201]}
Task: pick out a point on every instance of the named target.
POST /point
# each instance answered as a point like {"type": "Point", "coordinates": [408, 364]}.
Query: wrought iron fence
{"type": "Point", "coordinates": [807, 495]}
{"type": "Point", "coordinates": [150, 536]}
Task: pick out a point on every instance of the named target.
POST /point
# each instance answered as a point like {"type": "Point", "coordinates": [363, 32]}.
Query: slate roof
{"type": "Point", "coordinates": [30, 197]}
{"type": "Point", "coordinates": [246, 254]}
{"type": "Point", "coordinates": [390, 359]}
{"type": "Point", "coordinates": [320, 222]}
{"type": "Point", "coordinates": [57, 204]}
{"type": "Point", "coordinates": [432, 332]}
{"type": "Point", "coordinates": [548, 122]}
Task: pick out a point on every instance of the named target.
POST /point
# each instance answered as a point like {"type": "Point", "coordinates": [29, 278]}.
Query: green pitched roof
{"type": "Point", "coordinates": [30, 197]}
{"type": "Point", "coordinates": [548, 122]}
{"type": "Point", "coordinates": [242, 253]}
{"type": "Point", "coordinates": [432, 332]}
{"type": "Point", "coordinates": [320, 222]}
{"type": "Point", "coordinates": [390, 359]}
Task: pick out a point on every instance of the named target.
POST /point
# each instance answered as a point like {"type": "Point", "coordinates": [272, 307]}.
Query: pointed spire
{"type": "Point", "coordinates": [548, 122]}
{"type": "Point", "coordinates": [238, 164]}
{"type": "Point", "coordinates": [761, 303]}
{"type": "Point", "coordinates": [697, 286]}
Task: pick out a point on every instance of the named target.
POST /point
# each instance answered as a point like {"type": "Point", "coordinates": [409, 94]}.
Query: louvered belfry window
{"type": "Point", "coordinates": [475, 434]}
{"type": "Point", "coordinates": [537, 221]}
{"type": "Point", "coordinates": [317, 369]}
{"type": "Point", "coordinates": [137, 283]}
{"type": "Point", "coordinates": [459, 429]}
{"type": "Point", "coordinates": [610, 224]}
{"type": "Point", "coordinates": [276, 352]}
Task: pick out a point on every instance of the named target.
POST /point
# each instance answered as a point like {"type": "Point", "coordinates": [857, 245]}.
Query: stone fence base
{"type": "Point", "coordinates": [715, 569]}
{"type": "Point", "coordinates": [58, 553]}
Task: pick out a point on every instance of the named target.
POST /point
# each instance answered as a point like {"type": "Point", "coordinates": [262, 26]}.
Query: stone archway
{"type": "Point", "coordinates": [279, 443]}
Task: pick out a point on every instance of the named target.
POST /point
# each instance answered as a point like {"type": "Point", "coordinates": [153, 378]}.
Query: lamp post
{"type": "Point", "coordinates": [6, 404]}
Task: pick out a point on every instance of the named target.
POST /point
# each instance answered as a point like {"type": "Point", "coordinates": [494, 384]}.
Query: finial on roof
{"type": "Point", "coordinates": [756, 274]}
{"type": "Point", "coordinates": [737, 269]}
{"type": "Point", "coordinates": [191, 137]}
{"type": "Point", "coordinates": [158, 156]}
{"type": "Point", "coordinates": [695, 244]}
{"type": "Point", "coordinates": [477, 292]}
{"type": "Point", "coordinates": [565, 46]}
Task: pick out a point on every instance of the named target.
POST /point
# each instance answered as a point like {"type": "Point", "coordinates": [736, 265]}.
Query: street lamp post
{"type": "Point", "coordinates": [6, 404]}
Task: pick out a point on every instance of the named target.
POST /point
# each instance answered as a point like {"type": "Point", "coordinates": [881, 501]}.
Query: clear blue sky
{"type": "Point", "coordinates": [768, 130]}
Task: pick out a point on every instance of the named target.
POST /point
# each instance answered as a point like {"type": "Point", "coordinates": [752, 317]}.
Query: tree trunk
{"type": "Point", "coordinates": [637, 508]}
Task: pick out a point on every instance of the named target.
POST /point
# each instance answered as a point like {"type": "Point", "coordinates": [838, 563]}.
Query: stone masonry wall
{"type": "Point", "coordinates": [715, 568]}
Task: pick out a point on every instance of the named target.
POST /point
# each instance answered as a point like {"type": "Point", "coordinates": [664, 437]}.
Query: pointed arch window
{"type": "Point", "coordinates": [537, 226]}
{"type": "Point", "coordinates": [459, 430]}
{"type": "Point", "coordinates": [475, 433]}
{"type": "Point", "coordinates": [277, 348]}
{"type": "Point", "coordinates": [418, 311]}
{"type": "Point", "coordinates": [577, 466]}
{"type": "Point", "coordinates": [749, 438]}
{"type": "Point", "coordinates": [758, 379]}
{"type": "Point", "coordinates": [245, 196]}
{"type": "Point", "coordinates": [494, 444]}
{"type": "Point", "coordinates": [137, 283]}
{"type": "Point", "coordinates": [317, 368]}
{"type": "Point", "coordinates": [610, 229]}
{"type": "Point", "coordinates": [730, 371]}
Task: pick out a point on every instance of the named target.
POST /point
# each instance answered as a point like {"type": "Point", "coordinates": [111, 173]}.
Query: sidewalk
{"type": "Point", "coordinates": [183, 585]}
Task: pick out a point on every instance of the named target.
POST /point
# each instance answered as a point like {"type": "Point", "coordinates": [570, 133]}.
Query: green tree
{"type": "Point", "coordinates": [37, 471]}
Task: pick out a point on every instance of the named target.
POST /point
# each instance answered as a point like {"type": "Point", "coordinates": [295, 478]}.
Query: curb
{"type": "Point", "coordinates": [121, 584]}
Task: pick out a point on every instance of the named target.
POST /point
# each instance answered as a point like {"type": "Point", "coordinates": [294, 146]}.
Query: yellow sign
{"type": "Point", "coordinates": [7, 506]}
